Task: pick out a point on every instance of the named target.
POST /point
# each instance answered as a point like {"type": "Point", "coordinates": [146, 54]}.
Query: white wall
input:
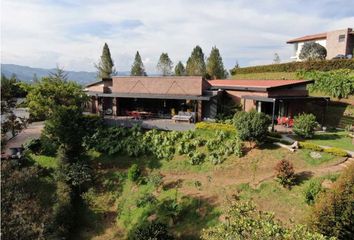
{"type": "Point", "coordinates": [298, 46]}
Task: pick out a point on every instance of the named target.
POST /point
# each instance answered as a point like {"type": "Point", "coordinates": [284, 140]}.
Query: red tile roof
{"type": "Point", "coordinates": [309, 37]}
{"type": "Point", "coordinates": [256, 83]}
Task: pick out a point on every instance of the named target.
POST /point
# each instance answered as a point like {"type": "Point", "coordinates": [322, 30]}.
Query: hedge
{"type": "Point", "coordinates": [215, 126]}
{"type": "Point", "coordinates": [325, 65]}
{"type": "Point", "coordinates": [310, 146]}
{"type": "Point", "coordinates": [336, 151]}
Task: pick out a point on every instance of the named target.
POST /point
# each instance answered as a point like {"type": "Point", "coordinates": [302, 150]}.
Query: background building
{"type": "Point", "coordinates": [338, 42]}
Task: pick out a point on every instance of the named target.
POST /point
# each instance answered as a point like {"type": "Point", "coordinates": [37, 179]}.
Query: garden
{"type": "Point", "coordinates": [185, 180]}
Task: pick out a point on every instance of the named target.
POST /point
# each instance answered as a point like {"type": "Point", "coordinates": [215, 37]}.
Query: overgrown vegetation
{"type": "Point", "coordinates": [335, 83]}
{"type": "Point", "coordinates": [333, 212]}
{"type": "Point", "coordinates": [243, 221]}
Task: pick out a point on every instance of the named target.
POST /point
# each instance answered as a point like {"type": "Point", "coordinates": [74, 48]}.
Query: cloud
{"type": "Point", "coordinates": [43, 33]}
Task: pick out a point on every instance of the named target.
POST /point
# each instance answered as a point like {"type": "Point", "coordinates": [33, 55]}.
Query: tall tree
{"type": "Point", "coordinates": [50, 92]}
{"type": "Point", "coordinates": [138, 68]}
{"type": "Point", "coordinates": [180, 69]}
{"type": "Point", "coordinates": [276, 59]}
{"type": "Point", "coordinates": [58, 74]}
{"type": "Point", "coordinates": [165, 65]}
{"type": "Point", "coordinates": [106, 66]}
{"type": "Point", "coordinates": [215, 67]}
{"type": "Point", "coordinates": [196, 64]}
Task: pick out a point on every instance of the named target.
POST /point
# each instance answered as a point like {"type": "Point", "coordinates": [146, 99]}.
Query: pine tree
{"type": "Point", "coordinates": [58, 74]}
{"type": "Point", "coordinates": [106, 66]}
{"type": "Point", "coordinates": [215, 66]}
{"type": "Point", "coordinates": [276, 59]}
{"type": "Point", "coordinates": [195, 64]}
{"type": "Point", "coordinates": [179, 69]}
{"type": "Point", "coordinates": [165, 65]}
{"type": "Point", "coordinates": [138, 66]}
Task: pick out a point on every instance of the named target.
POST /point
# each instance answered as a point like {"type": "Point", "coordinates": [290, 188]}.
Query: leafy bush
{"type": "Point", "coordinates": [333, 211]}
{"type": "Point", "coordinates": [196, 158]}
{"type": "Point", "coordinates": [252, 126]}
{"type": "Point", "coordinates": [134, 173]}
{"type": "Point", "coordinates": [313, 188]}
{"type": "Point", "coordinates": [49, 147]}
{"type": "Point", "coordinates": [155, 179]}
{"type": "Point", "coordinates": [310, 146]}
{"type": "Point", "coordinates": [216, 158]}
{"type": "Point", "coordinates": [313, 51]}
{"type": "Point", "coordinates": [151, 231]}
{"type": "Point", "coordinates": [336, 83]}
{"type": "Point", "coordinates": [215, 126]}
{"type": "Point", "coordinates": [326, 65]}
{"type": "Point", "coordinates": [285, 173]}
{"type": "Point", "coordinates": [336, 151]}
{"type": "Point", "coordinates": [304, 125]}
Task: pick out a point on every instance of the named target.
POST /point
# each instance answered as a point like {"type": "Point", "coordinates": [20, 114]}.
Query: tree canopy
{"type": "Point", "coordinates": [276, 59]}
{"type": "Point", "coordinates": [195, 63]}
{"type": "Point", "coordinates": [165, 65]}
{"type": "Point", "coordinates": [51, 92]}
{"type": "Point", "coordinates": [180, 70]}
{"type": "Point", "coordinates": [138, 68]}
{"type": "Point", "coordinates": [106, 66]}
{"type": "Point", "coordinates": [313, 51]}
{"type": "Point", "coordinates": [215, 67]}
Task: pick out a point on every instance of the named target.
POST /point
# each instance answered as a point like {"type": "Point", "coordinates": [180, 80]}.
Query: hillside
{"type": "Point", "coordinates": [26, 73]}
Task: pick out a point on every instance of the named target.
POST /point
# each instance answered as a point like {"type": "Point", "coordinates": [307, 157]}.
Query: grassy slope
{"type": "Point", "coordinates": [112, 203]}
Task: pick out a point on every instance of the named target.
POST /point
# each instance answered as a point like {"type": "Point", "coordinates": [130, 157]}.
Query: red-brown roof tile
{"type": "Point", "coordinates": [256, 83]}
{"type": "Point", "coordinates": [308, 38]}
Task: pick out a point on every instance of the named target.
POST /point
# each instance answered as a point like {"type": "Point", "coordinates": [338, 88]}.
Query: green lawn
{"type": "Point", "coordinates": [289, 205]}
{"type": "Point", "coordinates": [337, 139]}
{"type": "Point", "coordinates": [45, 161]}
{"type": "Point", "coordinates": [325, 157]}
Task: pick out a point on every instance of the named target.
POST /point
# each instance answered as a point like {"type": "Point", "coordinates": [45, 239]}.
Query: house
{"type": "Point", "coordinates": [338, 42]}
{"type": "Point", "coordinates": [162, 97]}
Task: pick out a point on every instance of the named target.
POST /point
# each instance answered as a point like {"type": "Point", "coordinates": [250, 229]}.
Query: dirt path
{"type": "Point", "coordinates": [33, 131]}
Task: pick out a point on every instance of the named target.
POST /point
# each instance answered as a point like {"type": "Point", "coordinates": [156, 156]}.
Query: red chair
{"type": "Point", "coordinates": [290, 122]}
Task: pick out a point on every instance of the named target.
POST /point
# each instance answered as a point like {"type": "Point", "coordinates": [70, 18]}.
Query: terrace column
{"type": "Point", "coordinates": [95, 105]}
{"type": "Point", "coordinates": [199, 109]}
{"type": "Point", "coordinates": [114, 106]}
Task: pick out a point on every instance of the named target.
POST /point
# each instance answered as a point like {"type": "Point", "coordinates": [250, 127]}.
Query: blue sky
{"type": "Point", "coordinates": [44, 33]}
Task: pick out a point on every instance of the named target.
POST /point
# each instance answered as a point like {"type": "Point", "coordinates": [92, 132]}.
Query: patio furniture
{"type": "Point", "coordinates": [184, 116]}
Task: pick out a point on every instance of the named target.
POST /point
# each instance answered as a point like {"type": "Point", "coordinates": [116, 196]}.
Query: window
{"type": "Point", "coordinates": [341, 38]}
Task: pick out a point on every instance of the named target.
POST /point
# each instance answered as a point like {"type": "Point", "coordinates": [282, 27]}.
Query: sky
{"type": "Point", "coordinates": [71, 34]}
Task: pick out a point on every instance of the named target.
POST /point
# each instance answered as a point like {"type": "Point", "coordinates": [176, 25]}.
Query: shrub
{"type": "Point", "coordinates": [252, 126]}
{"type": "Point", "coordinates": [325, 65]}
{"type": "Point", "coordinates": [155, 179]}
{"type": "Point", "coordinates": [196, 158]}
{"type": "Point", "coordinates": [149, 231]}
{"type": "Point", "coordinates": [215, 126]}
{"type": "Point", "coordinates": [285, 173]}
{"type": "Point", "coordinates": [134, 173]}
{"type": "Point", "coordinates": [304, 125]}
{"type": "Point", "coordinates": [313, 51]}
{"type": "Point", "coordinates": [313, 188]}
{"type": "Point", "coordinates": [310, 146]}
{"type": "Point", "coordinates": [336, 151]}
{"type": "Point", "coordinates": [333, 211]}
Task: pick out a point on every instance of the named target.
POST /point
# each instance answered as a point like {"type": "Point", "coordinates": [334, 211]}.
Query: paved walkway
{"type": "Point", "coordinates": [33, 131]}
